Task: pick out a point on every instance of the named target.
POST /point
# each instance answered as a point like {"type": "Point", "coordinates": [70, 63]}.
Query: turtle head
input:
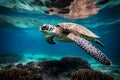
{"type": "Point", "coordinates": [47, 29]}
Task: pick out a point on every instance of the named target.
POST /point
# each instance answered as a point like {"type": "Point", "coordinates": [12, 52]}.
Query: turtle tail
{"type": "Point", "coordinates": [90, 49]}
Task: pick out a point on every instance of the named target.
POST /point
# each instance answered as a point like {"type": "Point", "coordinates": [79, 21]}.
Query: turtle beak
{"type": "Point", "coordinates": [40, 28]}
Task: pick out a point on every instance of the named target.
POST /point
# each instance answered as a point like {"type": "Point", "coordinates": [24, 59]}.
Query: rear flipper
{"type": "Point", "coordinates": [99, 42]}
{"type": "Point", "coordinates": [90, 49]}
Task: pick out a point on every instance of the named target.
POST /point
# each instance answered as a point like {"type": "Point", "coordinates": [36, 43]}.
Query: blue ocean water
{"type": "Point", "coordinates": [21, 40]}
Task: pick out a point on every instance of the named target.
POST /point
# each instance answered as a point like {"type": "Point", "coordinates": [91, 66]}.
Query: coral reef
{"type": "Point", "coordinates": [65, 64]}
{"type": "Point", "coordinates": [88, 74]}
{"type": "Point", "coordinates": [14, 74]}
{"type": "Point", "coordinates": [53, 69]}
{"type": "Point", "coordinates": [57, 69]}
{"type": "Point", "coordinates": [64, 69]}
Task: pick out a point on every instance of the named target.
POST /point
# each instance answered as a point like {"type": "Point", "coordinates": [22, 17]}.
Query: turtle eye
{"type": "Point", "coordinates": [51, 28]}
{"type": "Point", "coordinates": [45, 28]}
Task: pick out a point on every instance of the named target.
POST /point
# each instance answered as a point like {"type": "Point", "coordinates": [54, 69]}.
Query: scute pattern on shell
{"type": "Point", "coordinates": [78, 28]}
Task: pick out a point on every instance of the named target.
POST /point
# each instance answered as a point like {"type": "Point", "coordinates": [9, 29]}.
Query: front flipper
{"type": "Point", "coordinates": [49, 39]}
{"type": "Point", "coordinates": [90, 49]}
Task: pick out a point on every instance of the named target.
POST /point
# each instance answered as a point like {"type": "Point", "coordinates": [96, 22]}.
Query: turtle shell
{"type": "Point", "coordinates": [78, 28]}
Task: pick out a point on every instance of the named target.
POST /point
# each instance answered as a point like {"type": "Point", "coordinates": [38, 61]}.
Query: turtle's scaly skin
{"type": "Point", "coordinates": [79, 29]}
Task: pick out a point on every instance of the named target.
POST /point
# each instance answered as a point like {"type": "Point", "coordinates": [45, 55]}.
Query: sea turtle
{"type": "Point", "coordinates": [71, 32]}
